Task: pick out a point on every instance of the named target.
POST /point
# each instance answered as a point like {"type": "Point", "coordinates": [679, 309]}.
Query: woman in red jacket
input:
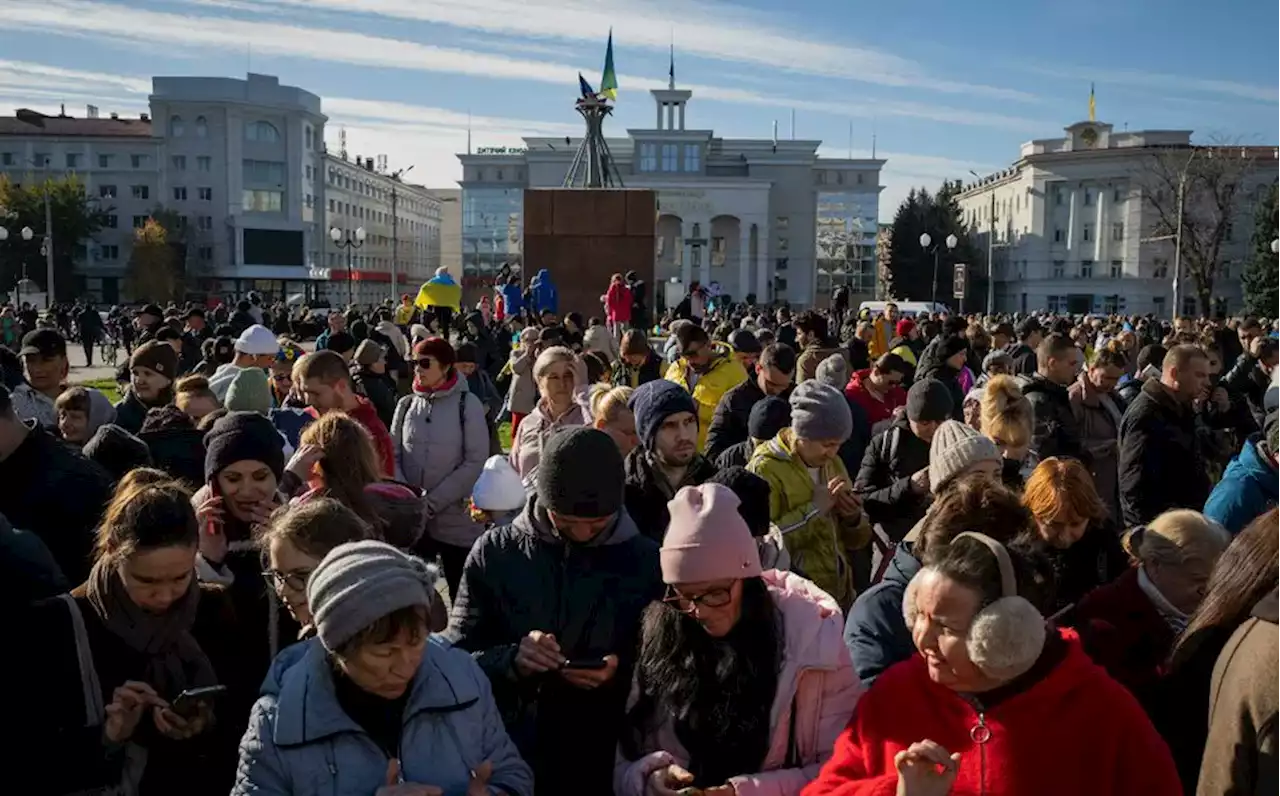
{"type": "Point", "coordinates": [617, 303]}
{"type": "Point", "coordinates": [995, 703]}
{"type": "Point", "coordinates": [878, 389]}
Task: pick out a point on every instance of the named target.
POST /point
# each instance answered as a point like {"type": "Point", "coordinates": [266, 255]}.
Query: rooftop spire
{"type": "Point", "coordinates": [671, 70]}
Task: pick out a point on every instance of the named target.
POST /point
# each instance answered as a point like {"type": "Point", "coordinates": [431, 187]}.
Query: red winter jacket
{"type": "Point", "coordinates": [876, 410]}
{"type": "Point", "coordinates": [367, 416]}
{"type": "Point", "coordinates": [1124, 633]}
{"type": "Point", "coordinates": [617, 302]}
{"type": "Point", "coordinates": [1076, 731]}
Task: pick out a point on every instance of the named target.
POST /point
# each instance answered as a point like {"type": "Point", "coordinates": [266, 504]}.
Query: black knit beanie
{"type": "Point", "coordinates": [655, 401]}
{"type": "Point", "coordinates": [753, 496]}
{"type": "Point", "coordinates": [580, 473]}
{"type": "Point", "coordinates": [242, 436]}
{"type": "Point", "coordinates": [116, 451]}
{"type": "Point", "coordinates": [768, 416]}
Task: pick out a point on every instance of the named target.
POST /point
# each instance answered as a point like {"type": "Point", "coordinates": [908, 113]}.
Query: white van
{"type": "Point", "coordinates": [907, 308]}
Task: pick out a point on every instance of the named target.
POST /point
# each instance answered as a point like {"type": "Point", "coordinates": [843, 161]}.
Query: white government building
{"type": "Point", "coordinates": [749, 216]}
{"type": "Point", "coordinates": [1071, 223]}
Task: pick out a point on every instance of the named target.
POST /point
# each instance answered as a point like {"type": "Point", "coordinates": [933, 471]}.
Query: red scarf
{"type": "Point", "coordinates": [447, 384]}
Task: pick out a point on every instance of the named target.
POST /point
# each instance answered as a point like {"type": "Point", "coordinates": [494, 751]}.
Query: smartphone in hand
{"type": "Point", "coordinates": [590, 664]}
{"type": "Point", "coordinates": [190, 702]}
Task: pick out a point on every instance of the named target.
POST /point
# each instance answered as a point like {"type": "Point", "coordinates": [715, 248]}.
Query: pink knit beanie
{"type": "Point", "coordinates": [707, 539]}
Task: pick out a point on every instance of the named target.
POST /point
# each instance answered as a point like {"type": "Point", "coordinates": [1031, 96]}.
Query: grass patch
{"type": "Point", "coordinates": [107, 387]}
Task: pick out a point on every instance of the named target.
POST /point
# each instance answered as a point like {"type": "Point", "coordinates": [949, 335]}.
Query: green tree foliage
{"type": "Point", "coordinates": [153, 272]}
{"type": "Point", "coordinates": [76, 219]}
{"type": "Point", "coordinates": [911, 267]}
{"type": "Point", "coordinates": [1261, 293]}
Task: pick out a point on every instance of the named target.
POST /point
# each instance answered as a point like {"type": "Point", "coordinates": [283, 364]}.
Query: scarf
{"type": "Point", "coordinates": [174, 658]}
{"type": "Point", "coordinates": [447, 384]}
{"type": "Point", "coordinates": [1175, 619]}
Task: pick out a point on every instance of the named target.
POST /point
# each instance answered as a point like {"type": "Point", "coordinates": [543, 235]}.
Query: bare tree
{"type": "Point", "coordinates": [1205, 186]}
{"type": "Point", "coordinates": [884, 262]}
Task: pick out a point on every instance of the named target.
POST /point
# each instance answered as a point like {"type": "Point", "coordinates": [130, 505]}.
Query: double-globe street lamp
{"type": "Point", "coordinates": [26, 234]}
{"type": "Point", "coordinates": [925, 240]}
{"type": "Point", "coordinates": [349, 241]}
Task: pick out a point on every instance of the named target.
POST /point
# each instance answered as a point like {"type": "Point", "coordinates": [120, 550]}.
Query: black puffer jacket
{"type": "Point", "coordinates": [884, 479]}
{"type": "Point", "coordinates": [647, 491]}
{"type": "Point", "coordinates": [729, 423]}
{"type": "Point", "coordinates": [1055, 430]}
{"type": "Point", "coordinates": [1095, 560]}
{"type": "Point", "coordinates": [524, 577]}
{"type": "Point", "coordinates": [1162, 465]}
{"type": "Point", "coordinates": [1025, 362]}
{"type": "Point", "coordinates": [1247, 381]}
{"type": "Point", "coordinates": [649, 370]}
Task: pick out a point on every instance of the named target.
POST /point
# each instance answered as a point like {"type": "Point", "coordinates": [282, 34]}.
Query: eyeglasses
{"type": "Point", "coordinates": [296, 581]}
{"type": "Point", "coordinates": [715, 598]}
{"type": "Point", "coordinates": [425, 363]}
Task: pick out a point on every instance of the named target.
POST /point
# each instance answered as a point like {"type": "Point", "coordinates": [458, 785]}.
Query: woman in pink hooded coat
{"type": "Point", "coordinates": [743, 682]}
{"type": "Point", "coordinates": [617, 304]}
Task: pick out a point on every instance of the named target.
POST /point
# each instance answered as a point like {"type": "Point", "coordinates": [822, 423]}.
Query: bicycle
{"type": "Point", "coordinates": [108, 351]}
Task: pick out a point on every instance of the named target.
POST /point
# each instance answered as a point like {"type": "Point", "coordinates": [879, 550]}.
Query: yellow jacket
{"type": "Point", "coordinates": [818, 543]}
{"type": "Point", "coordinates": [884, 332]}
{"type": "Point", "coordinates": [724, 374]}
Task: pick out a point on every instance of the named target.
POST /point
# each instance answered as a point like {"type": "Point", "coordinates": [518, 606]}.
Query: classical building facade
{"type": "Point", "coordinates": [742, 216]}
{"type": "Point", "coordinates": [1073, 227]}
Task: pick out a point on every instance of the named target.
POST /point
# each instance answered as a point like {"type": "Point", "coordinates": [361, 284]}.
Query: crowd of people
{"type": "Point", "coordinates": [738, 552]}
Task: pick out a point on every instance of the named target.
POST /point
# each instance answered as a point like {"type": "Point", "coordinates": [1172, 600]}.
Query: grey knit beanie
{"type": "Point", "coordinates": [820, 412]}
{"type": "Point", "coordinates": [833, 370]}
{"type": "Point", "coordinates": [358, 583]}
{"type": "Point", "coordinates": [955, 448]}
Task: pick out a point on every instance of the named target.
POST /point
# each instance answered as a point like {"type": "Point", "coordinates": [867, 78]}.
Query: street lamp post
{"type": "Point", "coordinates": [348, 242]}
{"type": "Point", "coordinates": [950, 242]}
{"type": "Point", "coordinates": [27, 234]}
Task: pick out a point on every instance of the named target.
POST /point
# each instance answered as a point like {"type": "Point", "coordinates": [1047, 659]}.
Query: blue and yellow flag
{"type": "Point", "coordinates": [439, 291]}
{"type": "Point", "coordinates": [609, 80]}
{"type": "Point", "coordinates": [585, 87]}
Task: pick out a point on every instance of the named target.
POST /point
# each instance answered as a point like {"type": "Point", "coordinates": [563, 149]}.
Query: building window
{"type": "Point", "coordinates": [308, 137]}
{"type": "Point", "coordinates": [205, 253]}
{"type": "Point", "coordinates": [1161, 269]}
{"type": "Point", "coordinates": [1086, 269]}
{"type": "Point", "coordinates": [1189, 306]}
{"type": "Point", "coordinates": [140, 192]}
{"type": "Point", "coordinates": [1225, 270]}
{"type": "Point", "coordinates": [718, 251]}
{"type": "Point", "coordinates": [1117, 196]}
{"type": "Point", "coordinates": [820, 177]}
{"type": "Point", "coordinates": [181, 222]}
{"type": "Point", "coordinates": [331, 210]}
{"type": "Point", "coordinates": [139, 161]}
{"type": "Point", "coordinates": [780, 223]}
{"type": "Point", "coordinates": [264, 132]}
{"type": "Point", "coordinates": [110, 253]}
{"type": "Point", "coordinates": [692, 157]}
{"type": "Point", "coordinates": [308, 200]}
{"type": "Point", "coordinates": [202, 127]}
{"type": "Point", "coordinates": [263, 201]}
{"type": "Point", "coordinates": [1057, 235]}
{"type": "Point", "coordinates": [859, 179]}
{"type": "Point", "coordinates": [6, 158]}
{"type": "Point", "coordinates": [180, 194]}
{"type": "Point", "coordinates": [839, 178]}
{"type": "Point", "coordinates": [1117, 231]}
{"type": "Point", "coordinates": [180, 162]}
{"type": "Point", "coordinates": [204, 194]}
{"type": "Point", "coordinates": [204, 222]}
{"type": "Point", "coordinates": [520, 175]}
{"type": "Point", "coordinates": [42, 159]}
{"type": "Point", "coordinates": [139, 222]}
{"type": "Point", "coordinates": [113, 221]}
{"type": "Point", "coordinates": [1086, 232]}
{"type": "Point", "coordinates": [204, 163]}
{"type": "Point", "coordinates": [1057, 195]}
{"type": "Point", "coordinates": [270, 171]}
{"type": "Point", "coordinates": [1055, 303]}
{"type": "Point", "coordinates": [784, 243]}
{"type": "Point", "coordinates": [648, 157]}
{"type": "Point", "coordinates": [1088, 197]}
{"type": "Point", "coordinates": [1059, 269]}
{"type": "Point", "coordinates": [176, 127]}
{"type": "Point", "coordinates": [1117, 269]}
{"type": "Point", "coordinates": [669, 154]}
{"type": "Point", "coordinates": [500, 177]}
{"type": "Point", "coordinates": [107, 191]}
{"type": "Point", "coordinates": [73, 160]}
{"type": "Point", "coordinates": [781, 263]}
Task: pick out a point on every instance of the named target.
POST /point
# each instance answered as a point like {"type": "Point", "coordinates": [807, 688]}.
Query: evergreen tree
{"type": "Point", "coordinates": [1261, 296]}
{"type": "Point", "coordinates": [912, 267]}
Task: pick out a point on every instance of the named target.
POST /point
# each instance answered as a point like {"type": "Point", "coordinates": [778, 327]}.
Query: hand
{"type": "Point", "coordinates": [579, 371]}
{"type": "Point", "coordinates": [175, 727]}
{"type": "Point", "coordinates": [587, 679]}
{"type": "Point", "coordinates": [304, 460]}
{"type": "Point", "coordinates": [1255, 347]}
{"type": "Point", "coordinates": [920, 481]}
{"type": "Point", "coordinates": [261, 512]}
{"type": "Point", "coordinates": [395, 787]}
{"type": "Point", "coordinates": [538, 652]}
{"type": "Point", "coordinates": [926, 769]}
{"type": "Point", "coordinates": [127, 703]}
{"type": "Point", "coordinates": [822, 500]}
{"type": "Point", "coordinates": [479, 784]}
{"type": "Point", "coordinates": [668, 781]}
{"type": "Point", "coordinates": [1219, 396]}
{"type": "Point", "coordinates": [720, 790]}
{"type": "Point", "coordinates": [847, 502]}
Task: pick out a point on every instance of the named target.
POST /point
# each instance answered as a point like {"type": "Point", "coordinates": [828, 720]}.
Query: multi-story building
{"type": "Point", "coordinates": [746, 216]}
{"type": "Point", "coordinates": [450, 229]}
{"type": "Point", "coordinates": [401, 223]}
{"type": "Point", "coordinates": [120, 165]}
{"type": "Point", "coordinates": [1072, 226]}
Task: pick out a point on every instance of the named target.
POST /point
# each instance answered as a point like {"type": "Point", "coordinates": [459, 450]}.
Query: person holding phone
{"type": "Point", "coordinates": [116, 656]}
{"type": "Point", "coordinates": [375, 705]}
{"type": "Point", "coordinates": [743, 682]}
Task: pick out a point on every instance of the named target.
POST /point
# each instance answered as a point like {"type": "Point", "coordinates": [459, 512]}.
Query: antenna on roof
{"type": "Point", "coordinates": [793, 124]}
{"type": "Point", "coordinates": [851, 139]}
{"type": "Point", "coordinates": [342, 142]}
{"type": "Point", "coordinates": [873, 140]}
{"type": "Point", "coordinates": [468, 132]}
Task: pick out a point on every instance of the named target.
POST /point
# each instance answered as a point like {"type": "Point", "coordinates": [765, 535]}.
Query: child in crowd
{"type": "Point", "coordinates": [80, 412]}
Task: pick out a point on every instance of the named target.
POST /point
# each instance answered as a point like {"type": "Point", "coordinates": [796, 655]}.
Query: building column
{"type": "Point", "coordinates": [744, 263]}
{"type": "Point", "coordinates": [704, 266]}
{"type": "Point", "coordinates": [762, 263]}
{"type": "Point", "coordinates": [686, 259]}
{"type": "Point", "coordinates": [1097, 224]}
{"type": "Point", "coordinates": [671, 116]}
{"type": "Point", "coordinates": [657, 125]}
{"type": "Point", "coordinates": [682, 116]}
{"type": "Point", "coordinates": [1072, 221]}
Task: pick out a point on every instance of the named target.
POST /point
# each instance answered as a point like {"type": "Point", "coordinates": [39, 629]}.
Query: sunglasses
{"type": "Point", "coordinates": [425, 363]}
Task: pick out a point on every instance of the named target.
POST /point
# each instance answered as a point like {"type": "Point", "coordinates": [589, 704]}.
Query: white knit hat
{"type": "Point", "coordinates": [499, 487]}
{"type": "Point", "coordinates": [955, 448]}
{"type": "Point", "coordinates": [257, 340]}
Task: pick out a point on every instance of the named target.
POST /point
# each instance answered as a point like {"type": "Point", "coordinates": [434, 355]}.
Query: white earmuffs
{"type": "Point", "coordinates": [1007, 636]}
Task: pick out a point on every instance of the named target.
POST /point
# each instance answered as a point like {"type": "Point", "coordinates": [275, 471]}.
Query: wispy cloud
{"type": "Point", "coordinates": [1151, 80]}
{"type": "Point", "coordinates": [115, 24]}
{"type": "Point", "coordinates": [707, 29]}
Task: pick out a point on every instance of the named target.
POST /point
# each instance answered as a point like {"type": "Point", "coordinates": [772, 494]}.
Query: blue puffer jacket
{"type": "Point", "coordinates": [1247, 490]}
{"type": "Point", "coordinates": [512, 300]}
{"type": "Point", "coordinates": [301, 743]}
{"type": "Point", "coordinates": [876, 632]}
{"type": "Point", "coordinates": [543, 294]}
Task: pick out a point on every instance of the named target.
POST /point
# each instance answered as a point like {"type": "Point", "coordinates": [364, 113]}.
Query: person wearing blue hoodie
{"type": "Point", "coordinates": [1249, 486]}
{"type": "Point", "coordinates": [512, 297]}
{"type": "Point", "coordinates": [543, 294]}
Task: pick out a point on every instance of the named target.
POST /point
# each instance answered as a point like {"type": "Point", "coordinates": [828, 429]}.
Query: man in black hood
{"type": "Point", "coordinates": [1030, 333]}
{"type": "Point", "coordinates": [551, 605]}
{"type": "Point", "coordinates": [1055, 430]}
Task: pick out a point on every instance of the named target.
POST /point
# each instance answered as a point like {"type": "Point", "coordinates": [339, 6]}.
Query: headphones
{"type": "Point", "coordinates": [1007, 636]}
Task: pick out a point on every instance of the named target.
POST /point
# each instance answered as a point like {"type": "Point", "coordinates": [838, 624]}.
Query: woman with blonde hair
{"type": "Point", "coordinates": [1076, 528]}
{"type": "Point", "coordinates": [559, 375]}
{"type": "Point", "coordinates": [1129, 626]}
{"type": "Point", "coordinates": [1006, 418]}
{"type": "Point", "coordinates": [610, 414]}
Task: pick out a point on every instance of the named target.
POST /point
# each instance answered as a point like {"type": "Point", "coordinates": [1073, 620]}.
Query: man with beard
{"type": "Point", "coordinates": [667, 457]}
{"type": "Point", "coordinates": [706, 370]}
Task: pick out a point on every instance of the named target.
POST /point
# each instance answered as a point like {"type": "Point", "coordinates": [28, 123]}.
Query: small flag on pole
{"type": "Point", "coordinates": [585, 87]}
{"type": "Point", "coordinates": [609, 80]}
{"type": "Point", "coordinates": [1093, 105]}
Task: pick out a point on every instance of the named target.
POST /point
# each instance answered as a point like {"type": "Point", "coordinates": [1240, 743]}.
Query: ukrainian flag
{"type": "Point", "coordinates": [440, 291]}
{"type": "Point", "coordinates": [609, 80]}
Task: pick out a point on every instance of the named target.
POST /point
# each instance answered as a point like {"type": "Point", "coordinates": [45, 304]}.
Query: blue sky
{"type": "Point", "coordinates": [944, 86]}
